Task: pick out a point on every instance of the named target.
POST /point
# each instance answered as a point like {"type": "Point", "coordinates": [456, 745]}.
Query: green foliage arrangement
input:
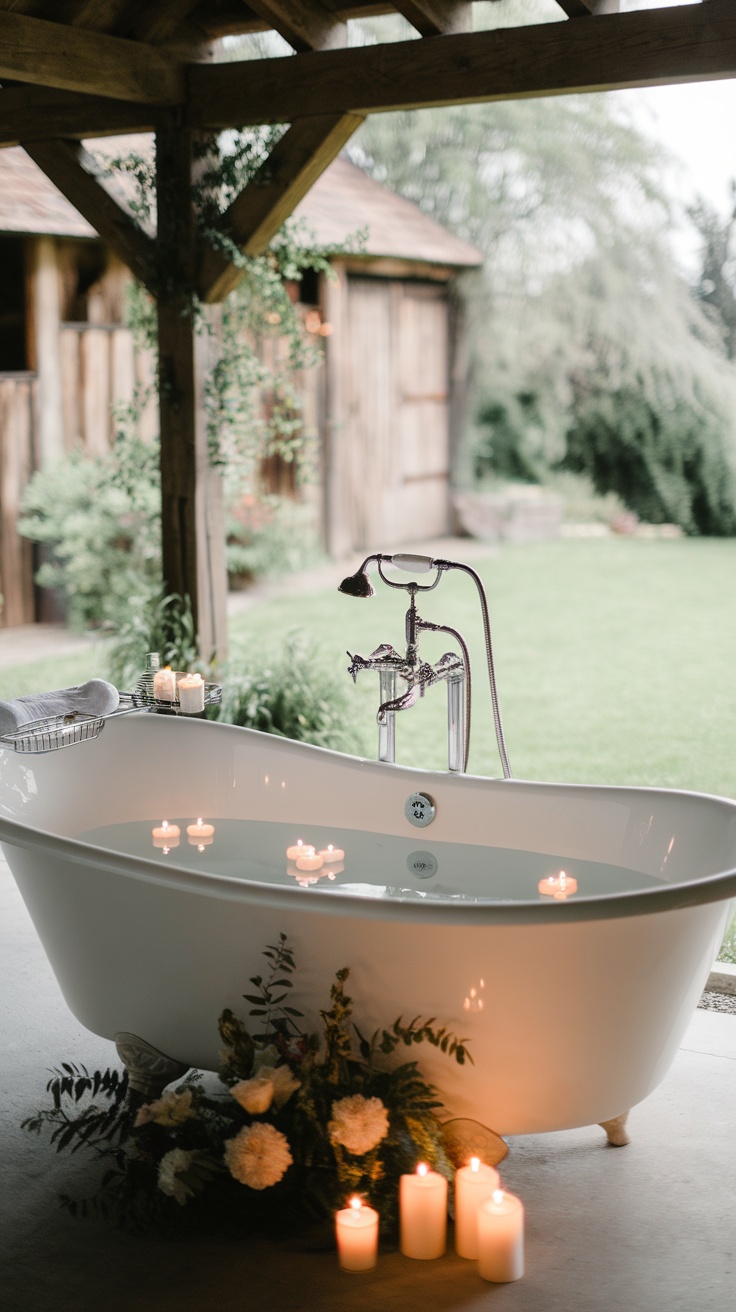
{"type": "Point", "coordinates": [294, 695]}
{"type": "Point", "coordinates": [297, 1122]}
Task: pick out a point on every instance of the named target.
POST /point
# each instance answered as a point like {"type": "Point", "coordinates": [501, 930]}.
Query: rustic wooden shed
{"type": "Point", "coordinates": [382, 404]}
{"type": "Point", "coordinates": [82, 68]}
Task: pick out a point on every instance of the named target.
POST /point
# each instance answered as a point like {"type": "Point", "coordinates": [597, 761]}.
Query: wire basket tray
{"type": "Point", "coordinates": [53, 732]}
{"type": "Point", "coordinates": [142, 696]}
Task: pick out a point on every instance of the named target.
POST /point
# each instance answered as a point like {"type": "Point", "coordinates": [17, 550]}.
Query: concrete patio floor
{"type": "Point", "coordinates": [647, 1228]}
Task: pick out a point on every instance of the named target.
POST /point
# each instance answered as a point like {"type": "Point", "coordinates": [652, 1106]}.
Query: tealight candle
{"type": "Point", "coordinates": [309, 861]}
{"type": "Point", "coordinates": [501, 1238]}
{"type": "Point", "coordinates": [165, 835]}
{"type": "Point", "coordinates": [423, 1213]}
{"type": "Point", "coordinates": [299, 849]}
{"type": "Point", "coordinates": [200, 831]}
{"type": "Point", "coordinates": [164, 685]}
{"type": "Point", "coordinates": [191, 694]}
{"type": "Point", "coordinates": [558, 886]}
{"type": "Point", "coordinates": [474, 1183]}
{"type": "Point", "coordinates": [356, 1230]}
{"type": "Point", "coordinates": [331, 853]}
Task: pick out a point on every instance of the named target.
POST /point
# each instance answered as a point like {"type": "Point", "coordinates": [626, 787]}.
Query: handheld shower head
{"type": "Point", "coordinates": [358, 584]}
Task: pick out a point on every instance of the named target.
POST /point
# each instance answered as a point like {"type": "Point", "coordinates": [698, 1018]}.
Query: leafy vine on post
{"type": "Point", "coordinates": [100, 517]}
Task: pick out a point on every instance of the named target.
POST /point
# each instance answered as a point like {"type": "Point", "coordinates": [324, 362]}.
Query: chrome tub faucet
{"type": "Point", "coordinates": [452, 668]}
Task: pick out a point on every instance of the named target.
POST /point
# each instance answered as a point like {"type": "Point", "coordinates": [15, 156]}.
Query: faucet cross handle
{"type": "Point", "coordinates": [383, 657]}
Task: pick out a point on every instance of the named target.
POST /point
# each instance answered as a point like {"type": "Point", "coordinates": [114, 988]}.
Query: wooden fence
{"type": "Point", "coordinates": [101, 366]}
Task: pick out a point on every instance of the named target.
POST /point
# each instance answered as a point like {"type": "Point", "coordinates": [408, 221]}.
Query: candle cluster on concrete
{"type": "Point", "coordinates": [489, 1223]}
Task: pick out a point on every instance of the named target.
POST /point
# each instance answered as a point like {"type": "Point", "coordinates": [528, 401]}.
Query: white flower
{"type": "Point", "coordinates": [259, 1156]}
{"type": "Point", "coordinates": [358, 1123]}
{"type": "Point", "coordinates": [170, 1168]}
{"type": "Point", "coordinates": [171, 1110]}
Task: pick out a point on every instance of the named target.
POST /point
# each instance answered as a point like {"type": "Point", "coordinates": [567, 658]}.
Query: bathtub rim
{"type": "Point", "coordinates": [719, 887]}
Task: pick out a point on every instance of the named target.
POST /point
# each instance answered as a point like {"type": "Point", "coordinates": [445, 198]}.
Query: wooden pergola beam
{"type": "Point", "coordinates": [437, 17]}
{"type": "Point", "coordinates": [37, 113]}
{"type": "Point", "coordinates": [73, 171]}
{"type": "Point", "coordinates": [307, 26]}
{"type": "Point", "coordinates": [76, 59]}
{"type": "Point", "coordinates": [295, 163]}
{"type": "Point", "coordinates": [644, 48]}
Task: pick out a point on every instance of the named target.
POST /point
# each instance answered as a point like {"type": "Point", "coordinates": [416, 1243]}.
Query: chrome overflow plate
{"type": "Point", "coordinates": [420, 810]}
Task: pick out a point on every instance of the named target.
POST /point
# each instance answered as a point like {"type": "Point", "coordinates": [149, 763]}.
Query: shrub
{"type": "Point", "coordinates": [667, 462]}
{"type": "Point", "coordinates": [293, 695]}
{"type": "Point", "coordinates": [99, 519]}
{"type": "Point", "coordinates": [158, 623]}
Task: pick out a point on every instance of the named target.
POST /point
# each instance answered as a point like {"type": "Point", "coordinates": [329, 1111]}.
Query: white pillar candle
{"type": "Point", "coordinates": [299, 849]}
{"type": "Point", "coordinates": [558, 886]}
{"type": "Point", "coordinates": [165, 835]}
{"type": "Point", "coordinates": [330, 854]}
{"type": "Point", "coordinates": [473, 1185]}
{"type": "Point", "coordinates": [423, 1213]}
{"type": "Point", "coordinates": [191, 694]}
{"type": "Point", "coordinates": [501, 1238]}
{"type": "Point", "coordinates": [199, 831]}
{"type": "Point", "coordinates": [309, 861]}
{"type": "Point", "coordinates": [356, 1229]}
{"type": "Point", "coordinates": [164, 685]}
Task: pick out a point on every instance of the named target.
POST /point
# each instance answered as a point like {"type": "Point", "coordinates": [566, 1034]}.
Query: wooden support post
{"type": "Point", "coordinates": [46, 311]}
{"type": "Point", "coordinates": [192, 524]}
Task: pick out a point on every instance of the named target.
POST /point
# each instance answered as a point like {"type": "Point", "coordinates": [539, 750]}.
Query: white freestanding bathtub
{"type": "Point", "coordinates": [573, 1008]}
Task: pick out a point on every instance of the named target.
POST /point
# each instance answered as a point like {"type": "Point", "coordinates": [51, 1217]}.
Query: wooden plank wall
{"type": "Point", "coordinates": [388, 427]}
{"type": "Point", "coordinates": [17, 406]}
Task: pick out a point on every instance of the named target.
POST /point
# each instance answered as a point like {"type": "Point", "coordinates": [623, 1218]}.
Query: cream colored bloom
{"type": "Point", "coordinates": [259, 1156]}
{"type": "Point", "coordinates": [170, 1169]}
{"type": "Point", "coordinates": [270, 1084]}
{"type": "Point", "coordinates": [358, 1123]}
{"type": "Point", "coordinates": [171, 1110]}
{"type": "Point", "coordinates": [255, 1096]}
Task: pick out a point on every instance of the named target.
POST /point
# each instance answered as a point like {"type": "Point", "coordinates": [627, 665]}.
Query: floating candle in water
{"type": "Point", "coordinates": [558, 886]}
{"type": "Point", "coordinates": [330, 854]}
{"type": "Point", "coordinates": [164, 685]}
{"type": "Point", "coordinates": [356, 1229]}
{"type": "Point", "coordinates": [423, 1213]}
{"type": "Point", "coordinates": [165, 835]}
{"type": "Point", "coordinates": [190, 688]}
{"type": "Point", "coordinates": [501, 1238]}
{"type": "Point", "coordinates": [309, 861]}
{"type": "Point", "coordinates": [200, 835]}
{"type": "Point", "coordinates": [299, 849]}
{"type": "Point", "coordinates": [474, 1183]}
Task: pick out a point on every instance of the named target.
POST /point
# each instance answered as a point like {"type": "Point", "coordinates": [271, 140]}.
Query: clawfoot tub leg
{"type": "Point", "coordinates": [616, 1130]}
{"type": "Point", "coordinates": [149, 1071]}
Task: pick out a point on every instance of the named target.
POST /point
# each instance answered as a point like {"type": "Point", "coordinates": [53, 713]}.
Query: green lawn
{"type": "Point", "coordinates": [614, 658]}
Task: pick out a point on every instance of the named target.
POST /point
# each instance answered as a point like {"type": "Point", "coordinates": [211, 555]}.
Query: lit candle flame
{"type": "Point", "coordinates": [199, 820]}
{"type": "Point", "coordinates": [422, 1168]}
{"type": "Point", "coordinates": [356, 1204]}
{"type": "Point", "coordinates": [498, 1195]}
{"type": "Point", "coordinates": [475, 1163]}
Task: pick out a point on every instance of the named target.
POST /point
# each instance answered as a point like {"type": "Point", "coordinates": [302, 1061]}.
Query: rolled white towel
{"type": "Point", "coordinates": [95, 697]}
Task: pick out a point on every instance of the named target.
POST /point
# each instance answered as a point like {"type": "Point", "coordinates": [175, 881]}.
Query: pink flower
{"type": "Point", "coordinates": [259, 1156]}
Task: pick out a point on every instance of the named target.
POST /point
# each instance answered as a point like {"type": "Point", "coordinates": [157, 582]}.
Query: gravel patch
{"type": "Point", "coordinates": [712, 1001]}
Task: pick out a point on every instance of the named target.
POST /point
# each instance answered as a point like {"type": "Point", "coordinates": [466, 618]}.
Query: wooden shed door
{"type": "Point", "coordinates": [397, 430]}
